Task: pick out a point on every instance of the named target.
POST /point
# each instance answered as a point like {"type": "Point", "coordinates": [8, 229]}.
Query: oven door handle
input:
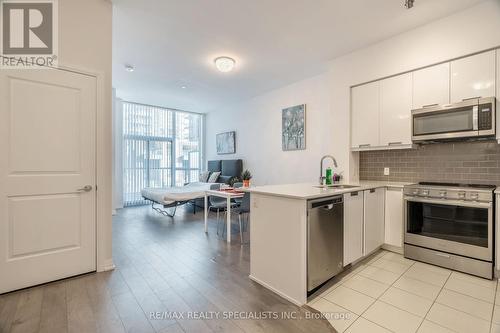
{"type": "Point", "coordinates": [452, 202]}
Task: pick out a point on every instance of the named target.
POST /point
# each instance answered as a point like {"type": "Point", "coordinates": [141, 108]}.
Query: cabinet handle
{"type": "Point", "coordinates": [354, 194]}
{"type": "Point", "coordinates": [395, 143]}
{"type": "Point", "coordinates": [364, 145]}
{"type": "Point", "coordinates": [372, 190]}
{"type": "Point", "coordinates": [468, 99]}
{"type": "Point", "coordinates": [429, 105]}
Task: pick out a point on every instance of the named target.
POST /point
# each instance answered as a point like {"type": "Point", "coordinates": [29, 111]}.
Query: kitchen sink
{"type": "Point", "coordinates": [336, 186]}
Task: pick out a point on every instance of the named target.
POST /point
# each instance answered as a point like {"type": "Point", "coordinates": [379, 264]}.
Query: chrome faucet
{"type": "Point", "coordinates": [321, 177]}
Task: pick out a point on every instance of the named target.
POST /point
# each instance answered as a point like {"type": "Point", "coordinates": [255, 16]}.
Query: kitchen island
{"type": "Point", "coordinates": [278, 229]}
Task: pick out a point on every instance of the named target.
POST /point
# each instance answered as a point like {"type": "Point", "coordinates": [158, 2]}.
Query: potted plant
{"type": "Point", "coordinates": [246, 176]}
{"type": "Point", "coordinates": [234, 180]}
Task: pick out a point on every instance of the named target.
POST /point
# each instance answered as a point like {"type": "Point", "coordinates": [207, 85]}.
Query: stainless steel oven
{"type": "Point", "coordinates": [472, 118]}
{"type": "Point", "coordinates": [451, 225]}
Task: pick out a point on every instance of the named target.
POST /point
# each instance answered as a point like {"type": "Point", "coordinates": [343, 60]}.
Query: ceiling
{"type": "Point", "coordinates": [172, 43]}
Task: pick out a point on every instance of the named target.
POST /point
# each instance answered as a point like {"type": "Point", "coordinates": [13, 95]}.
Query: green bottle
{"type": "Point", "coordinates": [328, 176]}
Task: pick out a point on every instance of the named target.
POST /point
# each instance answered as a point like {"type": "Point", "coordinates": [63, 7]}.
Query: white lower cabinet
{"type": "Point", "coordinates": [374, 223]}
{"type": "Point", "coordinates": [497, 231]}
{"type": "Point", "coordinates": [353, 227]}
{"type": "Point", "coordinates": [372, 218]}
{"type": "Point", "coordinates": [394, 216]}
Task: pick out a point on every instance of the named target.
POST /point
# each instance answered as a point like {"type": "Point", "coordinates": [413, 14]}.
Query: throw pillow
{"type": "Point", "coordinates": [213, 177]}
{"type": "Point", "coordinates": [204, 176]}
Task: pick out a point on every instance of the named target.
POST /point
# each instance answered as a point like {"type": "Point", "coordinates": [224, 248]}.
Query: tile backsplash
{"type": "Point", "coordinates": [465, 162]}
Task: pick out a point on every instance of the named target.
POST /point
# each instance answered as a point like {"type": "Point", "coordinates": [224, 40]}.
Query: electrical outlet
{"type": "Point", "coordinates": [386, 172]}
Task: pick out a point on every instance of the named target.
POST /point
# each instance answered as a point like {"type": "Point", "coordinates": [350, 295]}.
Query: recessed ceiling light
{"type": "Point", "coordinates": [224, 64]}
{"type": "Point", "coordinates": [129, 68]}
{"type": "Point", "coordinates": [183, 87]}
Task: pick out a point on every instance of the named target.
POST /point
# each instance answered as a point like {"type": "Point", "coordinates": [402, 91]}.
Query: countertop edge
{"type": "Point", "coordinates": [327, 192]}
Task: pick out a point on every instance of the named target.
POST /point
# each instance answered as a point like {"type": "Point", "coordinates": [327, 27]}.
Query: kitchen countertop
{"type": "Point", "coordinates": [309, 191]}
{"type": "Point", "coordinates": [497, 191]}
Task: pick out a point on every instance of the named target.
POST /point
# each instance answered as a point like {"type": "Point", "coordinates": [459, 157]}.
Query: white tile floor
{"type": "Point", "coordinates": [388, 293]}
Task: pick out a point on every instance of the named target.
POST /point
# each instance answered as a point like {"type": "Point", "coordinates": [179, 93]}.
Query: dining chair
{"type": "Point", "coordinates": [238, 185]}
{"type": "Point", "coordinates": [242, 209]}
{"type": "Point", "coordinates": [218, 204]}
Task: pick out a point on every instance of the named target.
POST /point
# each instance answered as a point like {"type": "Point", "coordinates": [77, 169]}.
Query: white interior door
{"type": "Point", "coordinates": [47, 153]}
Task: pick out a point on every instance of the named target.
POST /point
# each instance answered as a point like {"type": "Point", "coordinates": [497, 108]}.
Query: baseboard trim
{"type": "Point", "coordinates": [108, 265]}
{"type": "Point", "coordinates": [265, 285]}
{"type": "Point", "coordinates": [393, 248]}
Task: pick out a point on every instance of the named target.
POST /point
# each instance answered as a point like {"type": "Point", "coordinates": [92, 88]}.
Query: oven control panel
{"type": "Point", "coordinates": [480, 195]}
{"type": "Point", "coordinates": [485, 120]}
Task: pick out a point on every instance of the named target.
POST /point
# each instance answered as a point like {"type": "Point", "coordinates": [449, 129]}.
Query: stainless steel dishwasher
{"type": "Point", "coordinates": [325, 239]}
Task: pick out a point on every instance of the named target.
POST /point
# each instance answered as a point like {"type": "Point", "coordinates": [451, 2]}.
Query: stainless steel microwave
{"type": "Point", "coordinates": [471, 118]}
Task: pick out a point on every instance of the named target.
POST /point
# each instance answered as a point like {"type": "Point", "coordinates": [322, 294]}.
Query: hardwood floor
{"type": "Point", "coordinates": [163, 267]}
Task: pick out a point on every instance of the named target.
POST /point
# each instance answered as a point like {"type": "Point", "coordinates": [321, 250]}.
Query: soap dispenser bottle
{"type": "Point", "coordinates": [328, 177]}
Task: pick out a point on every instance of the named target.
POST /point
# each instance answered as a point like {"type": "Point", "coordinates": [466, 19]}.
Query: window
{"type": "Point", "coordinates": [162, 148]}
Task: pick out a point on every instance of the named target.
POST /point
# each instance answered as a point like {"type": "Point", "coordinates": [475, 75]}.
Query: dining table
{"type": "Point", "coordinates": [229, 194]}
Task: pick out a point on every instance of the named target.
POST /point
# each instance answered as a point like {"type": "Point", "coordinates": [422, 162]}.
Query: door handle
{"type": "Point", "coordinates": [86, 188]}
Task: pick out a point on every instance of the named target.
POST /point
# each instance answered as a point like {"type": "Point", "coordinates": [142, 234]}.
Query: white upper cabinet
{"type": "Point", "coordinates": [431, 86]}
{"type": "Point", "coordinates": [473, 76]}
{"type": "Point", "coordinates": [381, 110]}
{"type": "Point", "coordinates": [365, 103]}
{"type": "Point", "coordinates": [395, 110]}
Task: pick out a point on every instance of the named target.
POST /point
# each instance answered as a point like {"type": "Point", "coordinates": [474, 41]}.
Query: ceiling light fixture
{"type": "Point", "coordinates": [409, 4]}
{"type": "Point", "coordinates": [129, 68]}
{"type": "Point", "coordinates": [183, 87]}
{"type": "Point", "coordinates": [224, 64]}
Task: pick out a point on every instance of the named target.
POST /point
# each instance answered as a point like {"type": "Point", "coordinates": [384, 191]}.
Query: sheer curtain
{"type": "Point", "coordinates": [162, 148]}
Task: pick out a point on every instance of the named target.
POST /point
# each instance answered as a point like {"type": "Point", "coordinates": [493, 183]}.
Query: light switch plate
{"type": "Point", "coordinates": [386, 172]}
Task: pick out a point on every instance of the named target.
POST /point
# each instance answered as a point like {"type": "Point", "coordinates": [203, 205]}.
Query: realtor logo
{"type": "Point", "coordinates": [28, 33]}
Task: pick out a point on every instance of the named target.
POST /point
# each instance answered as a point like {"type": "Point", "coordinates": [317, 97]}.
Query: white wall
{"type": "Point", "coordinates": [85, 43]}
{"type": "Point", "coordinates": [258, 123]}
{"type": "Point", "coordinates": [117, 152]}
